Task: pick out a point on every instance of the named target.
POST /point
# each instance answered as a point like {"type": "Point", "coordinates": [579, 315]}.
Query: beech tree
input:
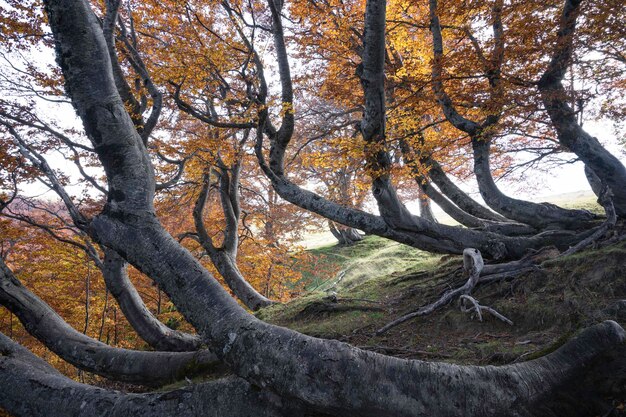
{"type": "Point", "coordinates": [277, 371]}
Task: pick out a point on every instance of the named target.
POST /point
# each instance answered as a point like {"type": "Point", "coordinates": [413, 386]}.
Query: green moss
{"type": "Point", "coordinates": [552, 347]}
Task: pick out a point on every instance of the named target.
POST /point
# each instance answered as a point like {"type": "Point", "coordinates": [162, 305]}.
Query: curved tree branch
{"type": "Point", "coordinates": [148, 327]}
{"type": "Point", "coordinates": [148, 368]}
{"type": "Point", "coordinates": [29, 387]}
{"type": "Point", "coordinates": [328, 376]}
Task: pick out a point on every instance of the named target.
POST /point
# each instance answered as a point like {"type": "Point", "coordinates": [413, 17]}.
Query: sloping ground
{"type": "Point", "coordinates": [336, 267]}
{"type": "Point", "coordinates": [377, 281]}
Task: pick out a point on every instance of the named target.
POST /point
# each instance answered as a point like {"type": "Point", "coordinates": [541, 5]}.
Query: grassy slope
{"type": "Point", "coordinates": [547, 306]}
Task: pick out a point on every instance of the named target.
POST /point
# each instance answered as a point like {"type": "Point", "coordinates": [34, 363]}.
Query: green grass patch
{"type": "Point", "coordinates": [547, 305]}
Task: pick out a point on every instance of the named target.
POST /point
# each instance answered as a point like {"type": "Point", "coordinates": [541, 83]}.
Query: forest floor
{"type": "Point", "coordinates": [377, 281]}
{"type": "Point", "coordinates": [352, 291]}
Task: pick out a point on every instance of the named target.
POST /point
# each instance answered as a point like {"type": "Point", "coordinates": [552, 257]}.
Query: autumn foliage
{"type": "Point", "coordinates": [198, 78]}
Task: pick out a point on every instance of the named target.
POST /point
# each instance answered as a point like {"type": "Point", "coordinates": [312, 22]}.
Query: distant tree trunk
{"type": "Point", "coordinates": [345, 235]}
{"type": "Point", "coordinates": [423, 182]}
{"type": "Point", "coordinates": [87, 297]}
{"type": "Point", "coordinates": [105, 312]}
{"type": "Point", "coordinates": [425, 209]}
{"type": "Point", "coordinates": [540, 216]}
{"type": "Point", "coordinates": [225, 257]}
{"type": "Point", "coordinates": [450, 208]}
{"type": "Point", "coordinates": [508, 228]}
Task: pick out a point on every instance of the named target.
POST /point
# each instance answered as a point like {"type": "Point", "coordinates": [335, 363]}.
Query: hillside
{"type": "Point", "coordinates": [377, 281]}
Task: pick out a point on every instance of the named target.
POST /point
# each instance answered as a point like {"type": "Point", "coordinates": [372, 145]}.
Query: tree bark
{"type": "Point", "coordinates": [507, 227]}
{"type": "Point", "coordinates": [458, 196]}
{"type": "Point", "coordinates": [594, 181]}
{"type": "Point", "coordinates": [426, 211]}
{"type": "Point", "coordinates": [147, 326]}
{"type": "Point", "coordinates": [541, 216]}
{"type": "Point", "coordinates": [148, 368]}
{"type": "Point", "coordinates": [328, 376]}
{"type": "Point", "coordinates": [29, 387]}
{"type": "Point", "coordinates": [601, 162]}
{"type": "Point", "coordinates": [537, 215]}
{"type": "Point", "coordinates": [395, 222]}
{"type": "Point", "coordinates": [447, 206]}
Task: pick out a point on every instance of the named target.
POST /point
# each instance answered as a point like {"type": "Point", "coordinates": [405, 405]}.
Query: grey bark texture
{"type": "Point", "coordinates": [505, 227]}
{"type": "Point", "coordinates": [601, 162]}
{"type": "Point", "coordinates": [140, 367]}
{"type": "Point", "coordinates": [426, 211]}
{"type": "Point", "coordinates": [147, 326]}
{"type": "Point", "coordinates": [395, 222]}
{"type": "Point", "coordinates": [29, 387]}
{"type": "Point", "coordinates": [326, 376]}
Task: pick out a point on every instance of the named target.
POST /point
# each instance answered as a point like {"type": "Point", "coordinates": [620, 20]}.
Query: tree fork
{"type": "Point", "coordinates": [328, 376]}
{"type": "Point", "coordinates": [139, 367]}
{"type": "Point", "coordinates": [224, 257]}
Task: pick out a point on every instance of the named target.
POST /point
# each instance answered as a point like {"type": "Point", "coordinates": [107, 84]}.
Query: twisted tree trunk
{"type": "Point", "coordinates": [326, 376]}
{"type": "Point", "coordinates": [542, 216]}
{"type": "Point", "coordinates": [149, 368]}
{"type": "Point", "coordinates": [537, 215]}
{"type": "Point", "coordinates": [395, 221]}
{"type": "Point", "coordinates": [506, 227]}
{"type": "Point", "coordinates": [608, 169]}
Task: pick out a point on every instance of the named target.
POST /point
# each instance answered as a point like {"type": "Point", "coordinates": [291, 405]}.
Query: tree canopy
{"type": "Point", "coordinates": [189, 145]}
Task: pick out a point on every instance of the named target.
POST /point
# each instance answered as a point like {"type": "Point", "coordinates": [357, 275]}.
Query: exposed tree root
{"type": "Point", "coordinates": [475, 306]}
{"type": "Point", "coordinates": [472, 263]}
{"type": "Point", "coordinates": [484, 274]}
